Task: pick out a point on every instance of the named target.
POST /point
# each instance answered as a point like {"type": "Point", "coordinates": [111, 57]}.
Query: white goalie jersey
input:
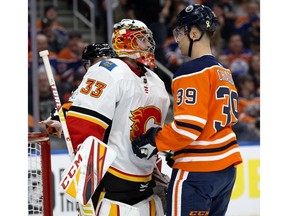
{"type": "Point", "coordinates": [115, 105]}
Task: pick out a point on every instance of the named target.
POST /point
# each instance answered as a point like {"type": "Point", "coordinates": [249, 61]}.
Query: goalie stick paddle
{"type": "Point", "coordinates": [87, 210]}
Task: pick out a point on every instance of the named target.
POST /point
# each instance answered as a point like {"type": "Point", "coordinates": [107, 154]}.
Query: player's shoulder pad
{"type": "Point", "coordinates": [109, 65]}
{"type": "Point", "coordinates": [196, 65]}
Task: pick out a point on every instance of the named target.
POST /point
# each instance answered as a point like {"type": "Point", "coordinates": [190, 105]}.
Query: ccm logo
{"type": "Point", "coordinates": [71, 172]}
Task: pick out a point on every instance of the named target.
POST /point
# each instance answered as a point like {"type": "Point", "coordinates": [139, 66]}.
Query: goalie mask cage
{"type": "Point", "coordinates": [39, 175]}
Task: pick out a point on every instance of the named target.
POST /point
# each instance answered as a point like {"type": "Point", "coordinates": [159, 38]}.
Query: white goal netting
{"type": "Point", "coordinates": [39, 175]}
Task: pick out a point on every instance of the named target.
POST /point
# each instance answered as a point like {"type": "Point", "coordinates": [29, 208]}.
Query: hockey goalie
{"type": "Point", "coordinates": [118, 99]}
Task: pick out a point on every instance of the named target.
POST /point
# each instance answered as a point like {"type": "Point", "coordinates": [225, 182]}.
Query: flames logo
{"type": "Point", "coordinates": [140, 117]}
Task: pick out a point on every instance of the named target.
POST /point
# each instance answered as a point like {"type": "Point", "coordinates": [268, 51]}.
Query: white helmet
{"type": "Point", "coordinates": [132, 38]}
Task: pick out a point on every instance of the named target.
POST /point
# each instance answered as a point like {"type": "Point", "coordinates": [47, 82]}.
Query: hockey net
{"type": "Point", "coordinates": [39, 174]}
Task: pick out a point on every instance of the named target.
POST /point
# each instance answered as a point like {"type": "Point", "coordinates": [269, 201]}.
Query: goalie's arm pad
{"type": "Point", "coordinates": [54, 116]}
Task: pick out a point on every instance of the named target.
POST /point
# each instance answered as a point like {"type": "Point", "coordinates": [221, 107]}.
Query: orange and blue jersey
{"type": "Point", "coordinates": [205, 109]}
{"type": "Point", "coordinates": [249, 109]}
{"type": "Point", "coordinates": [246, 55]}
{"type": "Point", "coordinates": [69, 64]}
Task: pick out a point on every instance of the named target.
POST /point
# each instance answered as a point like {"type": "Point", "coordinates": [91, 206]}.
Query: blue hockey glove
{"type": "Point", "coordinates": [144, 146]}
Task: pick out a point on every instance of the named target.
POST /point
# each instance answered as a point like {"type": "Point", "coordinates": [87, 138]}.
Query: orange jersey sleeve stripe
{"type": "Point", "coordinates": [194, 153]}
{"type": "Point", "coordinates": [190, 118]}
{"type": "Point", "coordinates": [218, 143]}
{"type": "Point", "coordinates": [187, 125]}
{"type": "Point", "coordinates": [208, 164]}
{"type": "Point", "coordinates": [170, 134]}
{"type": "Point", "coordinates": [187, 128]}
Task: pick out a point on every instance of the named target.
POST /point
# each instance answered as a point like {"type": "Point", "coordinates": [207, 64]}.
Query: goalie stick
{"type": "Point", "coordinates": [88, 209]}
{"type": "Point", "coordinates": [44, 54]}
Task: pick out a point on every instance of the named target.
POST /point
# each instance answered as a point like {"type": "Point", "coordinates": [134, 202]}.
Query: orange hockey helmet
{"type": "Point", "coordinates": [132, 39]}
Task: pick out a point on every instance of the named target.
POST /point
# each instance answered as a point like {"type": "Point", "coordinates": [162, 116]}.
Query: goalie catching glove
{"type": "Point", "coordinates": [144, 146]}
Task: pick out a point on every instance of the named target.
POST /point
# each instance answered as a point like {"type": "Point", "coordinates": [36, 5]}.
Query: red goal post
{"type": "Point", "coordinates": [39, 174]}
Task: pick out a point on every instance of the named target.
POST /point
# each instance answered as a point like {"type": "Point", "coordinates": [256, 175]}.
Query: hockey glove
{"type": "Point", "coordinates": [52, 124]}
{"type": "Point", "coordinates": [144, 146]}
{"type": "Point", "coordinates": [169, 158]}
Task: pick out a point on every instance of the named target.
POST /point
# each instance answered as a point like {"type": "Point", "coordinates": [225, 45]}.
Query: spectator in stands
{"type": "Point", "coordinates": [243, 23]}
{"type": "Point", "coordinates": [42, 44]}
{"type": "Point", "coordinates": [226, 16]}
{"type": "Point", "coordinates": [239, 56]}
{"type": "Point", "coordinates": [172, 57]}
{"type": "Point", "coordinates": [248, 110]}
{"type": "Point", "coordinates": [46, 99]}
{"type": "Point", "coordinates": [251, 38]}
{"type": "Point", "coordinates": [69, 58]}
{"type": "Point", "coordinates": [223, 59]}
{"type": "Point", "coordinates": [51, 13]}
{"type": "Point", "coordinates": [74, 85]}
{"type": "Point", "coordinates": [120, 10]}
{"type": "Point", "coordinates": [217, 42]}
{"type": "Point", "coordinates": [175, 8]}
{"type": "Point", "coordinates": [246, 87]}
{"type": "Point", "coordinates": [153, 14]}
{"type": "Point", "coordinates": [173, 54]}
{"type": "Point", "coordinates": [56, 40]}
{"type": "Point", "coordinates": [254, 71]}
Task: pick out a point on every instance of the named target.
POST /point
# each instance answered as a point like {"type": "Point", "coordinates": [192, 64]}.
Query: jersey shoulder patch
{"type": "Point", "coordinates": [109, 65]}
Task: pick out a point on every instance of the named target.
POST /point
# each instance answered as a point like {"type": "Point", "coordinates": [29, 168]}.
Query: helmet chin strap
{"type": "Point", "coordinates": [190, 47]}
{"type": "Point", "coordinates": [191, 43]}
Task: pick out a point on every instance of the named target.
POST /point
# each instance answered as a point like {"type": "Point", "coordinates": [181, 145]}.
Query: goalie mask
{"type": "Point", "coordinates": [97, 50]}
{"type": "Point", "coordinates": [132, 38]}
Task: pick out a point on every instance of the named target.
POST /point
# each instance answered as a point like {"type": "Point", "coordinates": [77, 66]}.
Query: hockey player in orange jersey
{"type": "Point", "coordinates": [205, 147]}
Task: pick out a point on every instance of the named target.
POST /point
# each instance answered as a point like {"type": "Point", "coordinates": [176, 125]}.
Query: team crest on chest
{"type": "Point", "coordinates": [141, 116]}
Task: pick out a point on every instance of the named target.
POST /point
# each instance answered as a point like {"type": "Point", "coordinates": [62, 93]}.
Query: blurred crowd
{"type": "Point", "coordinates": [236, 44]}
